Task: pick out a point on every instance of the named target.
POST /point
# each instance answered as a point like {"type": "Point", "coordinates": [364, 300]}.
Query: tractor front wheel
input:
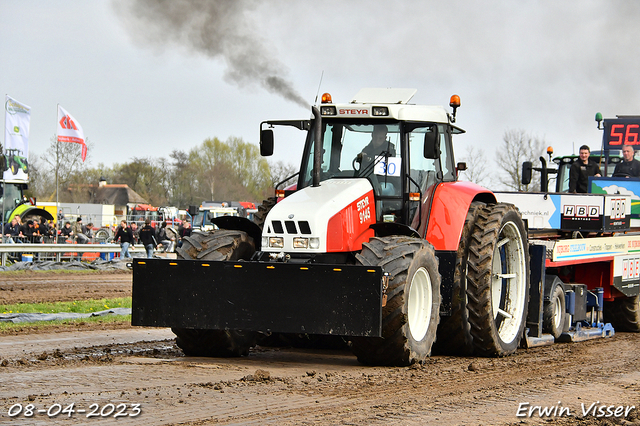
{"type": "Point", "coordinates": [410, 317]}
{"type": "Point", "coordinates": [220, 244]}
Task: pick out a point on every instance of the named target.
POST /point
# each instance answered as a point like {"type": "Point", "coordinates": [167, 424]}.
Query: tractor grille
{"type": "Point", "coordinates": [291, 227]}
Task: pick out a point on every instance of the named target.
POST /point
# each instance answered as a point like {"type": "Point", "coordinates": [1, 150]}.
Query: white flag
{"type": "Point", "coordinates": [69, 130]}
{"type": "Point", "coordinates": [16, 137]}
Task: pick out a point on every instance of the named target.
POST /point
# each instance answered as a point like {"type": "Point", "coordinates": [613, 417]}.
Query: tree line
{"type": "Point", "coordinates": [231, 170]}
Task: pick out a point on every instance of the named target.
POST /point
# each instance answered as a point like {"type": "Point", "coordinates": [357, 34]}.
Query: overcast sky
{"type": "Point", "coordinates": [144, 79]}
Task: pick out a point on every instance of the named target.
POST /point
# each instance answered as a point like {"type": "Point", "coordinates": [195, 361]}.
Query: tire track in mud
{"type": "Point", "coordinates": [287, 386]}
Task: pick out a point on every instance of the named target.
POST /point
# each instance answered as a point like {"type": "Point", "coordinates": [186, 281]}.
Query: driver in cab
{"type": "Point", "coordinates": [629, 167]}
{"type": "Point", "coordinates": [379, 145]}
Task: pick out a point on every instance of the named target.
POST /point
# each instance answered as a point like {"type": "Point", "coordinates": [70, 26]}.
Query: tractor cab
{"type": "Point", "coordinates": [399, 148]}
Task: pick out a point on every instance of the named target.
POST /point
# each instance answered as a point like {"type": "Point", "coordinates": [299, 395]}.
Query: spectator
{"type": "Point", "coordinates": [66, 233]}
{"type": "Point", "coordinates": [167, 237]}
{"type": "Point", "coordinates": [78, 232]}
{"type": "Point", "coordinates": [580, 171]}
{"type": "Point", "coordinates": [88, 230]}
{"type": "Point", "coordinates": [125, 236]}
{"type": "Point", "coordinates": [185, 231]}
{"type": "Point", "coordinates": [60, 219]}
{"type": "Point", "coordinates": [44, 229]}
{"type": "Point", "coordinates": [148, 237]}
{"type": "Point", "coordinates": [31, 233]}
{"type": "Point", "coordinates": [11, 231]}
{"type": "Point", "coordinates": [629, 167]}
{"type": "Point", "coordinates": [136, 232]}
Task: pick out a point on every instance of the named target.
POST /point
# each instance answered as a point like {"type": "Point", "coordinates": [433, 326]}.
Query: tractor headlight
{"type": "Point", "coordinates": [276, 242]}
{"type": "Point", "coordinates": [300, 242]}
{"type": "Point", "coordinates": [314, 242]}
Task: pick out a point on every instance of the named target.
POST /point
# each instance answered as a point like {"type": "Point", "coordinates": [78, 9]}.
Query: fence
{"type": "Point", "coordinates": [59, 252]}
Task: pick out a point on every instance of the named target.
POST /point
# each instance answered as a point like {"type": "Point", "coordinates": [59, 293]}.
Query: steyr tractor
{"type": "Point", "coordinates": [379, 243]}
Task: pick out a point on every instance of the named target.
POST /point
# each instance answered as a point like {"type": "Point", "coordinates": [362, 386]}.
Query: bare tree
{"type": "Point", "coordinates": [478, 170]}
{"type": "Point", "coordinates": [281, 171]}
{"type": "Point", "coordinates": [518, 146]}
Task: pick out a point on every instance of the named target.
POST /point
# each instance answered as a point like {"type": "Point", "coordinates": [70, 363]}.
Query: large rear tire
{"type": "Point", "coordinates": [220, 244]}
{"type": "Point", "coordinates": [263, 210]}
{"type": "Point", "coordinates": [410, 317]}
{"type": "Point", "coordinates": [498, 280]}
{"type": "Point", "coordinates": [624, 313]}
{"type": "Point", "coordinates": [554, 312]}
{"type": "Point", "coordinates": [454, 332]}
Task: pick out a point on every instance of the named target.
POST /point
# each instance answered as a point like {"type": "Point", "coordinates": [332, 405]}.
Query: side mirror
{"type": "Point", "coordinates": [432, 144]}
{"type": "Point", "coordinates": [266, 142]}
{"type": "Point", "coordinates": [461, 167]}
{"type": "Point", "coordinates": [192, 210]}
{"type": "Point", "coordinates": [527, 168]}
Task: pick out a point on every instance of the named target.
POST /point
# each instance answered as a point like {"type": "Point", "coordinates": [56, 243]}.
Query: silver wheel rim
{"type": "Point", "coordinates": [508, 282]}
{"type": "Point", "coordinates": [557, 312]}
{"type": "Point", "coordinates": [419, 304]}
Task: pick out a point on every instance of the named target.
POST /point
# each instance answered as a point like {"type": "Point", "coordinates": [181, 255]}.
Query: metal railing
{"type": "Point", "coordinates": [59, 251]}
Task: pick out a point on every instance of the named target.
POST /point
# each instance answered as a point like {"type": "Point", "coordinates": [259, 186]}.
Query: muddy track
{"type": "Point", "coordinates": [35, 287]}
{"type": "Point", "coordinates": [295, 386]}
{"type": "Point", "coordinates": [288, 386]}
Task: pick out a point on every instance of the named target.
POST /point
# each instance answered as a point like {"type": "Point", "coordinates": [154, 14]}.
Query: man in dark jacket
{"type": "Point", "coordinates": [148, 237]}
{"type": "Point", "coordinates": [629, 167]}
{"type": "Point", "coordinates": [580, 171]}
{"type": "Point", "coordinates": [125, 236]}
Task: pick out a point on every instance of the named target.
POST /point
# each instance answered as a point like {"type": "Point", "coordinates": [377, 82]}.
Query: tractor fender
{"type": "Point", "coordinates": [238, 223]}
{"type": "Point", "coordinates": [24, 210]}
{"type": "Point", "coordinates": [448, 209]}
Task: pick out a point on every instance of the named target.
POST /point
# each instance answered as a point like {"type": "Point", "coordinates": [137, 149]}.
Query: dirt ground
{"type": "Point", "coordinates": [59, 286]}
{"type": "Point", "coordinates": [108, 373]}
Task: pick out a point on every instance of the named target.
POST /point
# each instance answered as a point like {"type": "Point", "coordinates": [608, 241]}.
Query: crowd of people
{"type": "Point", "coordinates": [166, 237]}
{"type": "Point", "coordinates": [31, 231]}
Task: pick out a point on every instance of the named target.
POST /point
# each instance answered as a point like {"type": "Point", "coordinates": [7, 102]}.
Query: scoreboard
{"type": "Point", "coordinates": [621, 131]}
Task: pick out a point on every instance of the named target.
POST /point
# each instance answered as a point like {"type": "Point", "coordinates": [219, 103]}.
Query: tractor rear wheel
{"type": "Point", "coordinates": [410, 317]}
{"type": "Point", "coordinates": [553, 315]}
{"type": "Point", "coordinates": [624, 313]}
{"type": "Point", "coordinates": [263, 210]}
{"type": "Point", "coordinates": [454, 332]}
{"type": "Point", "coordinates": [220, 244]}
{"type": "Point", "coordinates": [498, 280]}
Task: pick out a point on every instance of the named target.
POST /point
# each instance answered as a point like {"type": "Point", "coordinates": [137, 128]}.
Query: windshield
{"type": "Point", "coordinates": [387, 155]}
{"type": "Point", "coordinates": [12, 199]}
{"type": "Point", "coordinates": [374, 151]}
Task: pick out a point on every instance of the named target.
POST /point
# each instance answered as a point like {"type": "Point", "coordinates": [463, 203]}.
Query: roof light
{"type": "Point", "coordinates": [328, 110]}
{"type": "Point", "coordinates": [550, 150]}
{"type": "Point", "coordinates": [379, 111]}
{"type": "Point", "coordinates": [454, 103]}
{"type": "Point", "coordinates": [326, 98]}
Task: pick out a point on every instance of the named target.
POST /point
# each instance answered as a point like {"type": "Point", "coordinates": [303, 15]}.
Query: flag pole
{"type": "Point", "coordinates": [4, 150]}
{"type": "Point", "coordinates": [57, 165]}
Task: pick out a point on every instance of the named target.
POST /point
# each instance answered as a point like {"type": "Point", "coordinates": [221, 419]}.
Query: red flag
{"type": "Point", "coordinates": [69, 130]}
